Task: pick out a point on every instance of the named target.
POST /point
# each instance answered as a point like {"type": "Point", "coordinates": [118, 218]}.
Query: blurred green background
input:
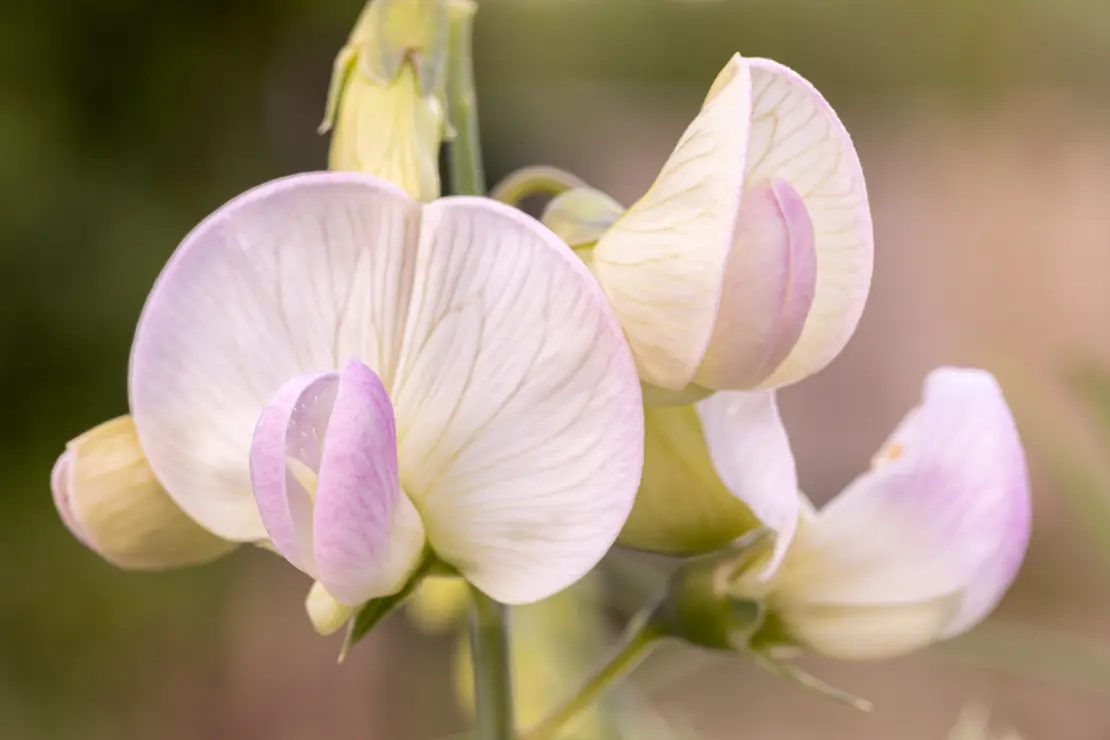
{"type": "Point", "coordinates": [984, 130]}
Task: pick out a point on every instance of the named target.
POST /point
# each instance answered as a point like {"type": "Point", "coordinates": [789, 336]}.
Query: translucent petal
{"type": "Point", "coordinates": [797, 137]}
{"type": "Point", "coordinates": [663, 262]}
{"type": "Point", "coordinates": [292, 277]}
{"type": "Point", "coordinates": [943, 516]}
{"type": "Point", "coordinates": [519, 410]}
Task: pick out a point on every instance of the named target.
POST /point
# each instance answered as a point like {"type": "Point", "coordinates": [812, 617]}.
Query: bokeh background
{"type": "Point", "coordinates": [984, 130]}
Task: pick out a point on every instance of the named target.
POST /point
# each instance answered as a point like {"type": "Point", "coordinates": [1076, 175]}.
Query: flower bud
{"type": "Point", "coordinates": [386, 96]}
{"type": "Point", "coordinates": [326, 614]}
{"type": "Point", "coordinates": [439, 603]}
{"type": "Point", "coordinates": [110, 500]}
{"type": "Point", "coordinates": [580, 216]}
{"type": "Point", "coordinates": [748, 262]}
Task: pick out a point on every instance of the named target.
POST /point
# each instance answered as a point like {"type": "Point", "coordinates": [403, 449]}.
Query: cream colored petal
{"type": "Point", "coordinates": [868, 632]}
{"type": "Point", "coordinates": [662, 263]}
{"type": "Point", "coordinates": [111, 501]}
{"type": "Point", "coordinates": [797, 137]}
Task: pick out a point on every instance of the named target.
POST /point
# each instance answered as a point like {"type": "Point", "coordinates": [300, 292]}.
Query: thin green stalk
{"type": "Point", "coordinates": [640, 638]}
{"type": "Point", "coordinates": [536, 180]}
{"type": "Point", "coordinates": [467, 173]}
{"type": "Point", "coordinates": [489, 632]}
{"type": "Point", "coordinates": [489, 646]}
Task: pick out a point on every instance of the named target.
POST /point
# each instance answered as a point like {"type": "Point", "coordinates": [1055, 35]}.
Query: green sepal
{"type": "Point", "coordinates": [796, 675]}
{"type": "Point", "coordinates": [344, 65]}
{"type": "Point", "coordinates": [406, 30]}
{"type": "Point", "coordinates": [374, 611]}
{"type": "Point", "coordinates": [698, 606]}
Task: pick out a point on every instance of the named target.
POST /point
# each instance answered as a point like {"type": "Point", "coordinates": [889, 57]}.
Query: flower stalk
{"type": "Point", "coordinates": [467, 173]}
{"type": "Point", "coordinates": [489, 629]}
{"type": "Point", "coordinates": [489, 648]}
{"type": "Point", "coordinates": [640, 638]}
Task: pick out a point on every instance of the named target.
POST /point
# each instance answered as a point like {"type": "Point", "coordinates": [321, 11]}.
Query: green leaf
{"type": "Point", "coordinates": [374, 611]}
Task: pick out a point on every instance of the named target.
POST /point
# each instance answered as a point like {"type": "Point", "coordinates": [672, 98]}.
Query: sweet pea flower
{"type": "Point", "coordinates": [748, 262]}
{"type": "Point", "coordinates": [362, 380]}
{"type": "Point", "coordinates": [918, 549]}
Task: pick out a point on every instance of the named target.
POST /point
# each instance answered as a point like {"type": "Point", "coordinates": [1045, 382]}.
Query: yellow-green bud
{"type": "Point", "coordinates": [109, 498]}
{"type": "Point", "coordinates": [386, 98]}
{"type": "Point", "coordinates": [327, 614]}
{"type": "Point", "coordinates": [580, 216]}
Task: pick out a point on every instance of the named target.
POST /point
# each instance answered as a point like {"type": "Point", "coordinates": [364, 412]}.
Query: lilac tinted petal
{"type": "Point", "coordinates": [751, 453]}
{"type": "Point", "coordinates": [946, 509]}
{"type": "Point", "coordinates": [520, 421]}
{"type": "Point", "coordinates": [293, 276]}
{"type": "Point", "coordinates": [796, 136]}
{"type": "Point", "coordinates": [359, 493]}
{"type": "Point", "coordinates": [285, 458]}
{"type": "Point", "coordinates": [768, 289]}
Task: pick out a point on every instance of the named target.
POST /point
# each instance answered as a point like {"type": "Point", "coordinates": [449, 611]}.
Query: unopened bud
{"type": "Point", "coordinates": [580, 216]}
{"type": "Point", "coordinates": [109, 498]}
{"type": "Point", "coordinates": [386, 97]}
{"type": "Point", "coordinates": [327, 614]}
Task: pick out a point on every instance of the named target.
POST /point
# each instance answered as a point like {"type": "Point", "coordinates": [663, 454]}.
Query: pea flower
{"type": "Point", "coordinates": [110, 500]}
{"type": "Point", "coordinates": [386, 97]}
{"type": "Point", "coordinates": [748, 261]}
{"type": "Point", "coordinates": [362, 380]}
{"type": "Point", "coordinates": [918, 549]}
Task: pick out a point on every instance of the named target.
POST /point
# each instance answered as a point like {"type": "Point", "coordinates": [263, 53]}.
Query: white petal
{"type": "Point", "coordinates": [797, 137]}
{"type": "Point", "coordinates": [662, 263]}
{"type": "Point", "coordinates": [519, 412]}
{"type": "Point", "coordinates": [294, 276]}
{"type": "Point", "coordinates": [944, 513]}
{"type": "Point", "coordinates": [751, 453]}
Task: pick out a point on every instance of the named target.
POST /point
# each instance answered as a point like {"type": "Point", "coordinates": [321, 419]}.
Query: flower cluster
{"type": "Point", "coordinates": [380, 384]}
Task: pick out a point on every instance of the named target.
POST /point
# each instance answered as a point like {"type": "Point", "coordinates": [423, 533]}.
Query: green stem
{"type": "Point", "coordinates": [467, 174]}
{"type": "Point", "coordinates": [537, 180]}
{"type": "Point", "coordinates": [639, 639]}
{"type": "Point", "coordinates": [489, 646]}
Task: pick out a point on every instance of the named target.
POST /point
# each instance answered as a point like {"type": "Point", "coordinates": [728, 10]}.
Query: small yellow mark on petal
{"type": "Point", "coordinates": [888, 454]}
